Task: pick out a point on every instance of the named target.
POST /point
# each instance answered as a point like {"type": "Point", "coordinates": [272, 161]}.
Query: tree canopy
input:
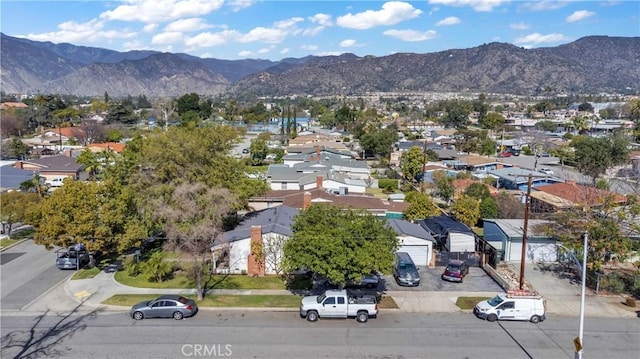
{"type": "Point", "coordinates": [340, 245]}
{"type": "Point", "coordinates": [412, 164]}
{"type": "Point", "coordinates": [421, 206]}
{"type": "Point", "coordinates": [594, 155]}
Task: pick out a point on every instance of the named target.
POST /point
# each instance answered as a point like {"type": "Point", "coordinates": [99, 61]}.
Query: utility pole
{"type": "Point", "coordinates": [524, 230]}
{"type": "Point", "coordinates": [424, 164]}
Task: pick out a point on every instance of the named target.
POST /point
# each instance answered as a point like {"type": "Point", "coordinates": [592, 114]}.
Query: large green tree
{"type": "Point", "coordinates": [379, 142]}
{"type": "Point", "coordinates": [341, 245]}
{"type": "Point", "coordinates": [421, 206]}
{"type": "Point", "coordinates": [492, 121]}
{"type": "Point", "coordinates": [15, 206]}
{"type": "Point", "coordinates": [594, 155]}
{"type": "Point", "coordinates": [444, 185]}
{"type": "Point", "coordinates": [412, 164]}
{"type": "Point", "coordinates": [466, 209]}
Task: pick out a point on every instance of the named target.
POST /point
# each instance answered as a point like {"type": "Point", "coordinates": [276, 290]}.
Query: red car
{"type": "Point", "coordinates": [455, 271]}
{"type": "Point", "coordinates": [505, 154]}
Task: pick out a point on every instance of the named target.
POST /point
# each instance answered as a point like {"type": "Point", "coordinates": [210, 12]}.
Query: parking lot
{"type": "Point", "coordinates": [476, 281]}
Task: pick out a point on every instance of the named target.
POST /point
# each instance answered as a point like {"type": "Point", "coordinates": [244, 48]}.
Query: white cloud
{"type": "Point", "coordinates": [348, 43]}
{"type": "Point", "coordinates": [411, 35]}
{"type": "Point", "coordinates": [237, 5]}
{"type": "Point", "coordinates": [166, 38]}
{"type": "Point", "coordinates": [291, 22]}
{"type": "Point", "coordinates": [153, 11]}
{"type": "Point", "coordinates": [321, 19]}
{"type": "Point", "coordinates": [309, 47]}
{"type": "Point", "coordinates": [245, 53]}
{"type": "Point", "coordinates": [85, 33]}
{"type": "Point", "coordinates": [263, 51]}
{"type": "Point", "coordinates": [329, 53]}
{"type": "Point", "coordinates": [537, 38]}
{"type": "Point", "coordinates": [477, 5]}
{"type": "Point", "coordinates": [392, 13]}
{"type": "Point", "coordinates": [312, 31]}
{"type": "Point", "coordinates": [186, 25]}
{"type": "Point", "coordinates": [451, 20]}
{"type": "Point", "coordinates": [263, 34]}
{"type": "Point", "coordinates": [285, 50]}
{"type": "Point", "coordinates": [520, 26]}
{"type": "Point", "coordinates": [544, 5]}
{"type": "Point", "coordinates": [206, 39]}
{"type": "Point", "coordinates": [150, 27]}
{"type": "Point", "coordinates": [579, 15]}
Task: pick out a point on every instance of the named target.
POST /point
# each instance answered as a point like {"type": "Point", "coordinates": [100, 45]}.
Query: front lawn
{"type": "Point", "coordinates": [469, 302]}
{"type": "Point", "coordinates": [6, 242]}
{"type": "Point", "coordinates": [244, 301]}
{"type": "Point", "coordinates": [86, 273]}
{"type": "Point", "coordinates": [218, 281]}
{"type": "Point", "coordinates": [387, 302]}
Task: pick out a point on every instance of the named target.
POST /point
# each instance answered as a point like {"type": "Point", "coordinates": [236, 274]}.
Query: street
{"type": "Point", "coordinates": [27, 271]}
{"type": "Point", "coordinates": [254, 334]}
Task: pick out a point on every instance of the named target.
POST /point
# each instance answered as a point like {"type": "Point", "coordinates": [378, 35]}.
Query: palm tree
{"type": "Point", "coordinates": [581, 124]}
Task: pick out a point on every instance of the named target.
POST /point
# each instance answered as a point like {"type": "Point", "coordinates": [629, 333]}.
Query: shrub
{"type": "Point", "coordinates": [612, 282]}
{"type": "Point", "coordinates": [156, 267]}
{"type": "Point", "coordinates": [131, 266]}
{"type": "Point", "coordinates": [388, 184]}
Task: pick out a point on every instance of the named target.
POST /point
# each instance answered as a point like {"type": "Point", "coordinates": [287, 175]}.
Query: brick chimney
{"type": "Point", "coordinates": [306, 200]}
{"type": "Point", "coordinates": [319, 182]}
{"type": "Point", "coordinates": [255, 264]}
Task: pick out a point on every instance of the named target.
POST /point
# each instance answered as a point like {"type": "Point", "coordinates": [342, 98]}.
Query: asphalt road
{"type": "Point", "coordinates": [26, 272]}
{"type": "Point", "coordinates": [286, 335]}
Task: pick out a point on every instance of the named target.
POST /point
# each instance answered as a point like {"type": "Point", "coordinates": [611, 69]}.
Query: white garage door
{"type": "Point", "coordinates": [536, 252]}
{"type": "Point", "coordinates": [419, 254]}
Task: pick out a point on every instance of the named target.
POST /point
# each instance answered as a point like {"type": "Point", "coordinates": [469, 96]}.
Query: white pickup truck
{"type": "Point", "coordinates": [337, 304]}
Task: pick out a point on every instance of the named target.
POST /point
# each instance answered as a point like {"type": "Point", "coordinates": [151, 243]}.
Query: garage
{"type": "Point", "coordinates": [506, 236]}
{"type": "Point", "coordinates": [420, 250]}
{"type": "Point", "coordinates": [537, 251]}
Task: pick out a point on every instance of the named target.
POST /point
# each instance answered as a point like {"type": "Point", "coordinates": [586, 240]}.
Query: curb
{"type": "Point", "coordinates": [229, 309]}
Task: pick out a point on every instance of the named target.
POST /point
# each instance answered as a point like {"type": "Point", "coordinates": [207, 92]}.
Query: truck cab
{"type": "Point", "coordinates": [337, 304]}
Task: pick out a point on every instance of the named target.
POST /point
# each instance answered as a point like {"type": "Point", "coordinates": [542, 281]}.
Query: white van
{"type": "Point", "coordinates": [513, 305]}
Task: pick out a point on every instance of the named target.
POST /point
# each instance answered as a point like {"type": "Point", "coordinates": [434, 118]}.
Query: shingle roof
{"type": "Point", "coordinates": [513, 228]}
{"type": "Point", "coordinates": [581, 195]}
{"type": "Point", "coordinates": [272, 220]}
{"type": "Point", "coordinates": [369, 203]}
{"type": "Point", "coordinates": [58, 163]}
{"type": "Point", "coordinates": [403, 227]}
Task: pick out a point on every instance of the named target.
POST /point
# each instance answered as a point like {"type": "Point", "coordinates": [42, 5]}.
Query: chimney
{"type": "Point", "coordinates": [255, 263]}
{"type": "Point", "coordinates": [319, 182]}
{"type": "Point", "coordinates": [318, 153]}
{"type": "Point", "coordinates": [306, 201]}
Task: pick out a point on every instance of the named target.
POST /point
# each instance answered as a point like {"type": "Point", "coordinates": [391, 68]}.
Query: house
{"type": "Point", "coordinates": [271, 226]}
{"type": "Point", "coordinates": [506, 236]}
{"type": "Point", "coordinates": [302, 199]}
{"type": "Point", "coordinates": [107, 146]}
{"type": "Point", "coordinates": [514, 178]}
{"type": "Point", "coordinates": [54, 167]}
{"type": "Point", "coordinates": [560, 196]}
{"type": "Point", "coordinates": [477, 164]}
{"type": "Point", "coordinates": [414, 240]}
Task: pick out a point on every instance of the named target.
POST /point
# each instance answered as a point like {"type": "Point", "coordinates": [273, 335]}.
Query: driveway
{"type": "Point", "coordinates": [476, 281]}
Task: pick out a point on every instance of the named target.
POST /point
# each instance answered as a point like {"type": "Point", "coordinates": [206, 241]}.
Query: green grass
{"type": "Point", "coordinates": [387, 302]}
{"type": "Point", "coordinates": [22, 234]}
{"type": "Point", "coordinates": [469, 302]}
{"type": "Point", "coordinates": [6, 242]}
{"type": "Point", "coordinates": [181, 281]}
{"type": "Point", "coordinates": [217, 301]}
{"type": "Point", "coordinates": [86, 273]}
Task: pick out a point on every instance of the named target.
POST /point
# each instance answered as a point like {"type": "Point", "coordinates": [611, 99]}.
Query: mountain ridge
{"type": "Point", "coordinates": [588, 65]}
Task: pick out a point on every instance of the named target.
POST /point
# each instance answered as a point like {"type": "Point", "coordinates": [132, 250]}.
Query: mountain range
{"type": "Point", "coordinates": [592, 64]}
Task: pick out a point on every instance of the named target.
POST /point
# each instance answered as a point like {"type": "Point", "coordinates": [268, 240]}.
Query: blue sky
{"type": "Point", "coordinates": [271, 29]}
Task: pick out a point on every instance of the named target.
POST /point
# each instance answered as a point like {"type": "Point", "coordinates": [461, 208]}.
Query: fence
{"type": "Point", "coordinates": [471, 258]}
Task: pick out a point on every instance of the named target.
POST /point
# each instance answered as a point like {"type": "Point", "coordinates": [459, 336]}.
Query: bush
{"type": "Point", "coordinates": [131, 266]}
{"type": "Point", "coordinates": [612, 282]}
{"type": "Point", "coordinates": [388, 184]}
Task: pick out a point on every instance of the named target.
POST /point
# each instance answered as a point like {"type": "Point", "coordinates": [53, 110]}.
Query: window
{"type": "Point", "coordinates": [340, 300]}
{"type": "Point", "coordinates": [508, 305]}
{"type": "Point", "coordinates": [330, 300]}
{"type": "Point", "coordinates": [158, 304]}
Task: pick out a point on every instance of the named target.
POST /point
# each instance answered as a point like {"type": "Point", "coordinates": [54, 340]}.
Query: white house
{"type": "Point", "coordinates": [506, 236]}
{"type": "Point", "coordinates": [414, 240]}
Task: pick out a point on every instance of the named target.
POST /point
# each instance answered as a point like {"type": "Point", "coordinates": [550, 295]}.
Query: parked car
{"type": "Point", "coordinates": [513, 305]}
{"type": "Point", "coordinates": [369, 281]}
{"type": "Point", "coordinates": [337, 304]}
{"type": "Point", "coordinates": [405, 271]}
{"type": "Point", "coordinates": [165, 306]}
{"type": "Point", "coordinates": [455, 271]}
{"type": "Point", "coordinates": [547, 171]}
{"type": "Point", "coordinates": [543, 154]}
{"type": "Point", "coordinates": [505, 154]}
{"type": "Point", "coordinates": [75, 257]}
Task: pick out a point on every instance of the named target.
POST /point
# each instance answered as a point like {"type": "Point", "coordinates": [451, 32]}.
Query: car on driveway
{"type": "Point", "coordinates": [165, 306]}
{"type": "Point", "coordinates": [455, 271]}
{"type": "Point", "coordinates": [547, 171]}
{"type": "Point", "coordinates": [505, 154]}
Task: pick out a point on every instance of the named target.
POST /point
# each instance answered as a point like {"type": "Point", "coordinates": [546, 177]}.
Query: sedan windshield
{"type": "Point", "coordinates": [495, 301]}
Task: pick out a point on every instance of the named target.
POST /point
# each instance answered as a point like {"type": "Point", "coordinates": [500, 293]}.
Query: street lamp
{"type": "Point", "coordinates": [578, 341]}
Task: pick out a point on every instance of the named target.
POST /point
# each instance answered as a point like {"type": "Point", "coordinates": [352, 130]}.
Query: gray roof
{"type": "Point", "coordinates": [513, 228]}
{"type": "Point", "coordinates": [518, 175]}
{"type": "Point", "coordinates": [57, 163]}
{"type": "Point", "coordinates": [272, 220]}
{"type": "Point", "coordinates": [10, 177]}
{"type": "Point", "coordinates": [404, 227]}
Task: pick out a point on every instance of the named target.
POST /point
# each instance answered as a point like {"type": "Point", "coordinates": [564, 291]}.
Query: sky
{"type": "Point", "coordinates": [276, 29]}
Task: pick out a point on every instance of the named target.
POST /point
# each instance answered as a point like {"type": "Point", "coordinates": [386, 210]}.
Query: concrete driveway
{"type": "Point", "coordinates": [476, 281]}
